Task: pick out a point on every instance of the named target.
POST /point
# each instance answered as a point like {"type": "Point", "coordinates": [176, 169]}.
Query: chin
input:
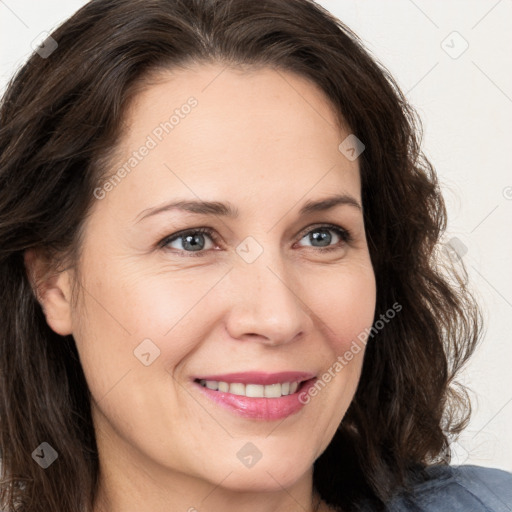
{"type": "Point", "coordinates": [259, 480]}
{"type": "Point", "coordinates": [268, 474]}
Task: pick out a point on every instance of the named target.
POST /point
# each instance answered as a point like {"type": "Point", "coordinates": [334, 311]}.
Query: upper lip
{"type": "Point", "coordinates": [256, 377]}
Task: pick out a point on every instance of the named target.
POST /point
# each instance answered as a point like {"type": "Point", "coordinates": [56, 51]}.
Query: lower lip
{"type": "Point", "coordinates": [266, 409]}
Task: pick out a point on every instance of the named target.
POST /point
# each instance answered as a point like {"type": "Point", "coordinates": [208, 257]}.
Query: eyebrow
{"type": "Point", "coordinates": [228, 210]}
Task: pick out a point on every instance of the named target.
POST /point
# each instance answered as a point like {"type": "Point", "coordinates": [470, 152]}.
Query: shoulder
{"type": "Point", "coordinates": [464, 488]}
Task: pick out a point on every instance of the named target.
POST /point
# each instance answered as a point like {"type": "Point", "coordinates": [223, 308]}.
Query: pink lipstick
{"type": "Point", "coordinates": [257, 395]}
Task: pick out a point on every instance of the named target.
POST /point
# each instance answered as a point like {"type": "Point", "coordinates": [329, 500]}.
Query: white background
{"type": "Point", "coordinates": [466, 107]}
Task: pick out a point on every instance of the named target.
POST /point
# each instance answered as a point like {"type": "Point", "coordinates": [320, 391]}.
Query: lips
{"type": "Point", "coordinates": [268, 407]}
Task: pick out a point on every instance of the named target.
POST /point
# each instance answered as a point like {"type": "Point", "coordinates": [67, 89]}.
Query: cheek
{"type": "Point", "coordinates": [344, 304]}
{"type": "Point", "coordinates": [345, 312]}
{"type": "Point", "coordinates": [123, 309]}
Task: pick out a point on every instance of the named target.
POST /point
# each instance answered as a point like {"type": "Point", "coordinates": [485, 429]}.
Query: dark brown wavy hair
{"type": "Point", "coordinates": [61, 116]}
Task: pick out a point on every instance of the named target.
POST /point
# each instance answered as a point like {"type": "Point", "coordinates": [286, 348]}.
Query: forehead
{"type": "Point", "coordinates": [212, 132]}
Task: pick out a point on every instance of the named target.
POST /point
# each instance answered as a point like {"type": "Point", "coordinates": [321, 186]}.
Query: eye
{"type": "Point", "coordinates": [192, 242]}
{"type": "Point", "coordinates": [320, 235]}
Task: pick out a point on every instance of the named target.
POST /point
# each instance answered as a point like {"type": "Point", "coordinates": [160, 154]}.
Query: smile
{"type": "Point", "coordinates": [257, 395]}
{"type": "Point", "coordinates": [252, 390]}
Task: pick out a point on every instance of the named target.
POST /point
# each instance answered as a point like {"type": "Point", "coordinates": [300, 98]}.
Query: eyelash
{"type": "Point", "coordinates": [344, 234]}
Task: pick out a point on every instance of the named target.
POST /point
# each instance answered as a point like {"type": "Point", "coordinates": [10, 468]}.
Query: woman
{"type": "Point", "coordinates": [220, 284]}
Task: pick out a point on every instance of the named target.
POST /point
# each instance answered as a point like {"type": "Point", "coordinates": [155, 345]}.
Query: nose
{"type": "Point", "coordinates": [267, 305]}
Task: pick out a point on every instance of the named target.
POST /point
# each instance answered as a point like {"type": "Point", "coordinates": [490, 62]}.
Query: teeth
{"type": "Point", "coordinates": [237, 389]}
{"type": "Point", "coordinates": [272, 390]}
{"type": "Point", "coordinates": [252, 390]}
{"type": "Point", "coordinates": [223, 386]}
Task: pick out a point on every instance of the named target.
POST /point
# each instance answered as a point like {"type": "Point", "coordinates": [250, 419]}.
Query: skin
{"type": "Point", "coordinates": [267, 142]}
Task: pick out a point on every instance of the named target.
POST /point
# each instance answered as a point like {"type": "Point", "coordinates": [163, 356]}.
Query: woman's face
{"type": "Point", "coordinates": [270, 290]}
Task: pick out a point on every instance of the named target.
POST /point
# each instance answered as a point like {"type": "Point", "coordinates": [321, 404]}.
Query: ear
{"type": "Point", "coordinates": [52, 290]}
